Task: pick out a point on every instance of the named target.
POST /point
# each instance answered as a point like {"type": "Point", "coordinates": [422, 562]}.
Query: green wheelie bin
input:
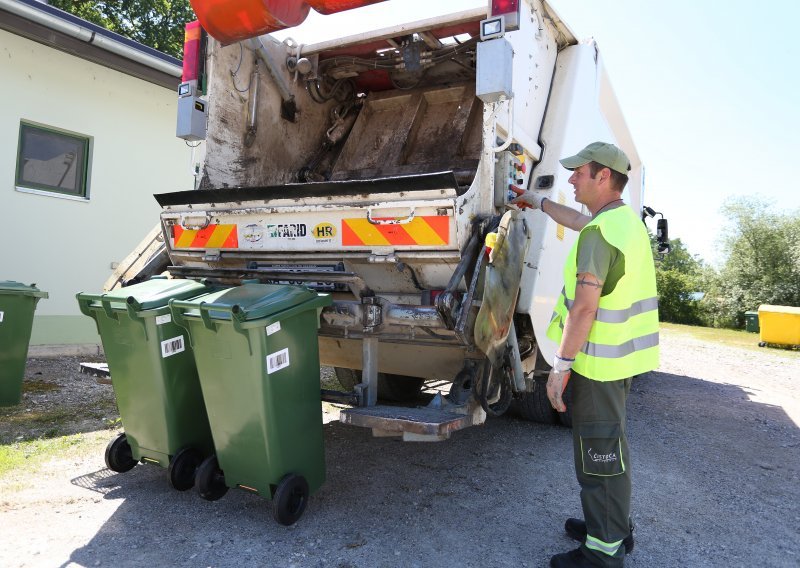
{"type": "Point", "coordinates": [17, 304]}
{"type": "Point", "coordinates": [257, 355]}
{"type": "Point", "coordinates": [154, 378]}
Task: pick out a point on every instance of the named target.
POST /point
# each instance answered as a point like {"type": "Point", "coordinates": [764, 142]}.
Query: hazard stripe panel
{"type": "Point", "coordinates": [213, 236]}
{"type": "Point", "coordinates": [421, 231]}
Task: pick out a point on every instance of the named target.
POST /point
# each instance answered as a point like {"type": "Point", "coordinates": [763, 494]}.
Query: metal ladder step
{"type": "Point", "coordinates": [413, 424]}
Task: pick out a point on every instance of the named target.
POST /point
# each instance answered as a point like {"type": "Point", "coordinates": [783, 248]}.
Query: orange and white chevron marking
{"type": "Point", "coordinates": [421, 231]}
{"type": "Point", "coordinates": [213, 236]}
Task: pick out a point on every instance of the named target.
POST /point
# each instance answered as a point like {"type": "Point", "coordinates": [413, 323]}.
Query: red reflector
{"type": "Point", "coordinates": [333, 6]}
{"type": "Point", "coordinates": [500, 7]}
{"type": "Point", "coordinates": [191, 51]}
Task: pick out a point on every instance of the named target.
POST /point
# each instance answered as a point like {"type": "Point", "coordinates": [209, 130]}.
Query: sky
{"type": "Point", "coordinates": [710, 90]}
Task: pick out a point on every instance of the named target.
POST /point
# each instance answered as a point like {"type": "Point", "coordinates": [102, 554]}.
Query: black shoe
{"type": "Point", "coordinates": [571, 559]}
{"type": "Point", "coordinates": [576, 529]}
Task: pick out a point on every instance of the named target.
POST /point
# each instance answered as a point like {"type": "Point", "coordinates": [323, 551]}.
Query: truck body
{"type": "Point", "coordinates": [372, 167]}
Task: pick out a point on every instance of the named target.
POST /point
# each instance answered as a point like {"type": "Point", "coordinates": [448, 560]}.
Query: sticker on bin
{"type": "Point", "coordinates": [1, 316]}
{"type": "Point", "coordinates": [172, 346]}
{"type": "Point", "coordinates": [273, 328]}
{"type": "Point", "coordinates": [277, 361]}
{"type": "Point", "coordinates": [161, 320]}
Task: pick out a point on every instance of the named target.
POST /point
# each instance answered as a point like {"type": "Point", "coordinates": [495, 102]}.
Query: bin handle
{"type": "Point", "coordinates": [133, 306]}
{"type": "Point", "coordinates": [178, 319]}
{"type": "Point", "coordinates": [237, 326]}
{"type": "Point", "coordinates": [84, 300]}
{"type": "Point", "coordinates": [237, 316]}
{"type": "Point", "coordinates": [105, 303]}
{"type": "Point", "coordinates": [83, 305]}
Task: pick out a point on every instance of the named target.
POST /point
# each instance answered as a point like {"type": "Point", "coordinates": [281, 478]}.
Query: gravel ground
{"type": "Point", "coordinates": [716, 461]}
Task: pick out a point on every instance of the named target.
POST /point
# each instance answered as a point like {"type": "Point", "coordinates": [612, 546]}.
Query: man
{"type": "Point", "coordinates": [606, 326]}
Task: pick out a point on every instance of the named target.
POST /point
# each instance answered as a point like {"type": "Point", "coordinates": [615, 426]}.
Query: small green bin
{"type": "Point", "coordinates": [257, 355]}
{"type": "Point", "coordinates": [154, 378]}
{"type": "Point", "coordinates": [17, 304]}
{"type": "Point", "coordinates": [751, 322]}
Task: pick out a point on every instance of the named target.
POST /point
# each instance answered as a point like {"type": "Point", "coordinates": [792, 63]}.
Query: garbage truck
{"type": "Point", "coordinates": [373, 167]}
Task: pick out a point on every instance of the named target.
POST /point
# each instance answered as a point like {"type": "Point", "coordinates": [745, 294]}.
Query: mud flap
{"type": "Point", "coordinates": [501, 285]}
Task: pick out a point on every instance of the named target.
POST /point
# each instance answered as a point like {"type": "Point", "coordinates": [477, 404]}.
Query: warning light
{"type": "Point", "coordinates": [504, 7]}
{"type": "Point", "coordinates": [509, 10]}
{"type": "Point", "coordinates": [191, 51]}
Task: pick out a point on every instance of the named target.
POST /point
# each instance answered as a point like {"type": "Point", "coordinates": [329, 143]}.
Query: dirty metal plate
{"type": "Point", "coordinates": [444, 180]}
{"type": "Point", "coordinates": [427, 421]}
{"type": "Point", "coordinates": [95, 369]}
{"type": "Point", "coordinates": [98, 370]}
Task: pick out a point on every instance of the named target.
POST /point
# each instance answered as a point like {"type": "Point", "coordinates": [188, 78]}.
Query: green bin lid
{"type": "Point", "coordinates": [20, 289]}
{"type": "Point", "coordinates": [256, 301]}
{"type": "Point", "coordinates": [151, 294]}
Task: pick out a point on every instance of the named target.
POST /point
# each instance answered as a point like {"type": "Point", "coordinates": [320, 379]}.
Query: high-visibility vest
{"type": "Point", "coordinates": [623, 340]}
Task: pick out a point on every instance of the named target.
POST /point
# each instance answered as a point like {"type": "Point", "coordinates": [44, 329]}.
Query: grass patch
{"type": "Point", "coordinates": [26, 456]}
{"type": "Point", "coordinates": [20, 424]}
{"type": "Point", "coordinates": [37, 387]}
{"type": "Point", "coordinates": [730, 337]}
{"type": "Point", "coordinates": [46, 423]}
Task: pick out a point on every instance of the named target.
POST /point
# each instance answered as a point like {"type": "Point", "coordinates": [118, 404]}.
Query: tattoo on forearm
{"type": "Point", "coordinates": [589, 283]}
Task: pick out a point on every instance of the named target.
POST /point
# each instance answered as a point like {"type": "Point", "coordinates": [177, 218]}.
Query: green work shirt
{"type": "Point", "coordinates": [596, 256]}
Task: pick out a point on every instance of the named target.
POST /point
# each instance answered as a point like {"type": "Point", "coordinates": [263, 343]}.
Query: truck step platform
{"type": "Point", "coordinates": [413, 424]}
{"type": "Point", "coordinates": [97, 370]}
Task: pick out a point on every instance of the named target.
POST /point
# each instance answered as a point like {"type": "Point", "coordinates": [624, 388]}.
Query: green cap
{"type": "Point", "coordinates": [601, 152]}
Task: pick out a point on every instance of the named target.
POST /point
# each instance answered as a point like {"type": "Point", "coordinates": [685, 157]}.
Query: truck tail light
{"type": "Point", "coordinates": [191, 52]}
{"type": "Point", "coordinates": [500, 7]}
{"type": "Point", "coordinates": [509, 9]}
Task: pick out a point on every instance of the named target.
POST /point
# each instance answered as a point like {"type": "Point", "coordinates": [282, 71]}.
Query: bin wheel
{"type": "Point", "coordinates": [290, 499]}
{"type": "Point", "coordinates": [182, 468]}
{"type": "Point", "coordinates": [210, 480]}
{"type": "Point", "coordinates": [119, 456]}
{"type": "Point", "coordinates": [762, 344]}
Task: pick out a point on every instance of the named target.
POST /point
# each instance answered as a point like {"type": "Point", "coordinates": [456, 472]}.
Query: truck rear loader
{"type": "Point", "coordinates": [373, 167]}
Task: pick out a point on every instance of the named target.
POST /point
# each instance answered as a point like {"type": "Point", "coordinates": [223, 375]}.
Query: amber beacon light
{"type": "Point", "coordinates": [229, 21]}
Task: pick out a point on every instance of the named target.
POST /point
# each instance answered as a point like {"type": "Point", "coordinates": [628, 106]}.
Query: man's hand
{"type": "Point", "coordinates": [526, 199]}
{"type": "Point", "coordinates": [556, 384]}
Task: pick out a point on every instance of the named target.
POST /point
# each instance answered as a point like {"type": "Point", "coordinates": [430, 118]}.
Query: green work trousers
{"type": "Point", "coordinates": [602, 465]}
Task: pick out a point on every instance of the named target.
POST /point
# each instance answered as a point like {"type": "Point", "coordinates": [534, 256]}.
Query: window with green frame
{"type": "Point", "coordinates": [52, 160]}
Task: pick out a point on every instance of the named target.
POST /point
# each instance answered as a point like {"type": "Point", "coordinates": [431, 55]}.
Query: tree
{"type": "Point", "coordinates": [678, 280]}
{"type": "Point", "coordinates": [762, 263]}
{"type": "Point", "coordinates": [156, 23]}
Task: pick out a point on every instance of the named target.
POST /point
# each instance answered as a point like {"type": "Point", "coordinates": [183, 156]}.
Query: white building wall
{"type": "Point", "coordinates": [63, 245]}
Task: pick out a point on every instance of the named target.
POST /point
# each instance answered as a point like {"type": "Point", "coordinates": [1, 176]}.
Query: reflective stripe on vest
{"type": "Point", "coordinates": [621, 350]}
{"type": "Point", "coordinates": [609, 548]}
{"type": "Point", "coordinates": [606, 315]}
{"type": "Point", "coordinates": [623, 340]}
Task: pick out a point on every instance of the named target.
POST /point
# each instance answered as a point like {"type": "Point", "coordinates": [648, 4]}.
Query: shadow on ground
{"type": "Point", "coordinates": [714, 474]}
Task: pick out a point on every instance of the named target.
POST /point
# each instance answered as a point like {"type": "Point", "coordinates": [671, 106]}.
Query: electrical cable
{"type": "Point", "coordinates": [238, 67]}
